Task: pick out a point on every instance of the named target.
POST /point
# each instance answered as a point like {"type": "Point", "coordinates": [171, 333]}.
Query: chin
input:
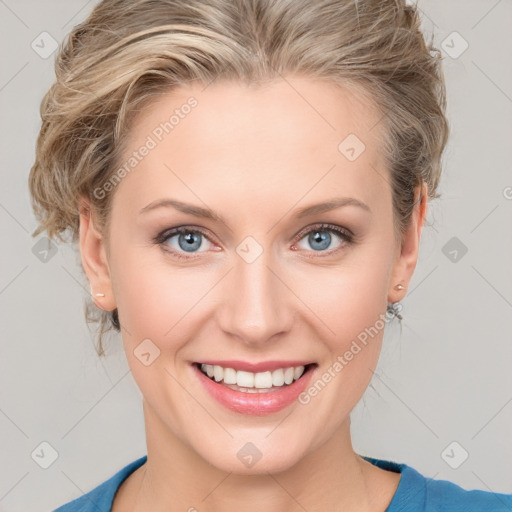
{"type": "Point", "coordinates": [262, 455]}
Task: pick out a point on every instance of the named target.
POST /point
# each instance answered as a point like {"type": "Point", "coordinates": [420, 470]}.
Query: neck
{"type": "Point", "coordinates": [330, 477]}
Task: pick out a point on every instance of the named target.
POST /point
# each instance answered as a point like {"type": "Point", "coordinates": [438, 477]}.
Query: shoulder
{"type": "Point", "coordinates": [421, 494]}
{"type": "Point", "coordinates": [100, 498]}
{"type": "Point", "coordinates": [447, 496]}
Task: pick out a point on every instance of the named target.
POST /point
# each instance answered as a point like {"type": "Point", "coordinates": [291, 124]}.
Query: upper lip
{"type": "Point", "coordinates": [263, 366]}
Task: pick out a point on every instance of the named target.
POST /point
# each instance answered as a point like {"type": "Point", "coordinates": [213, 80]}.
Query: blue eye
{"type": "Point", "coordinates": [182, 240]}
{"type": "Point", "coordinates": [187, 240]}
{"type": "Point", "coordinates": [320, 237]}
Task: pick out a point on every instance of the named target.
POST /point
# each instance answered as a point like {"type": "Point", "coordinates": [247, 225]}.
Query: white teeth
{"type": "Point", "coordinates": [278, 377]}
{"type": "Point", "coordinates": [297, 374]}
{"type": "Point", "coordinates": [218, 373]}
{"type": "Point", "coordinates": [262, 381]}
{"type": "Point", "coordinates": [229, 376]}
{"type": "Point", "coordinates": [288, 375]}
{"type": "Point", "coordinates": [243, 379]}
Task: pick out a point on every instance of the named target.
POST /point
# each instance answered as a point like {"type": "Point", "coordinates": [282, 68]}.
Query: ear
{"type": "Point", "coordinates": [407, 258]}
{"type": "Point", "coordinates": [94, 259]}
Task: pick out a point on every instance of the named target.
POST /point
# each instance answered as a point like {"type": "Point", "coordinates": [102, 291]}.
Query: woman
{"type": "Point", "coordinates": [247, 181]}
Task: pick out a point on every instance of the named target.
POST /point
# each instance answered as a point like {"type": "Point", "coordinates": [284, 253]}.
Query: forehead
{"type": "Point", "coordinates": [292, 136]}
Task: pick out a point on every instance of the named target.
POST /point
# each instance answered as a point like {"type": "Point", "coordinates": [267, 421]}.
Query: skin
{"type": "Point", "coordinates": [255, 156]}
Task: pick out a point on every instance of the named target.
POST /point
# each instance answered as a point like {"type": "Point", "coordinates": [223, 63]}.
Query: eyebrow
{"type": "Point", "coordinates": [336, 202]}
{"type": "Point", "coordinates": [206, 213]}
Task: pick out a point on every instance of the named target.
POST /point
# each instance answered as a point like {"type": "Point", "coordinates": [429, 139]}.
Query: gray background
{"type": "Point", "coordinates": [447, 378]}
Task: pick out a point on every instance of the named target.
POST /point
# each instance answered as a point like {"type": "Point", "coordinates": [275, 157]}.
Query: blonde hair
{"type": "Point", "coordinates": [125, 53]}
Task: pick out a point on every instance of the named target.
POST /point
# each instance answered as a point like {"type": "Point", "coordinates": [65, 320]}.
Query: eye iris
{"type": "Point", "coordinates": [321, 237]}
{"type": "Point", "coordinates": [193, 241]}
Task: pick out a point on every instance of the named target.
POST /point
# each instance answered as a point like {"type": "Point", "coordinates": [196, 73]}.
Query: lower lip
{"type": "Point", "coordinates": [258, 404]}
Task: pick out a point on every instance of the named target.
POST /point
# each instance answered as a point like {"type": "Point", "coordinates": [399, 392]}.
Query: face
{"type": "Point", "coordinates": [263, 282]}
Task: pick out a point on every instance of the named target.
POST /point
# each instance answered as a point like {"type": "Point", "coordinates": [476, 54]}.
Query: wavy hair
{"type": "Point", "coordinates": [125, 52]}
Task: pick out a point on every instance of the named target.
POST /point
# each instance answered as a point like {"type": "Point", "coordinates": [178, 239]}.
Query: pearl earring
{"type": "Point", "coordinates": [96, 294]}
{"type": "Point", "coordinates": [399, 287]}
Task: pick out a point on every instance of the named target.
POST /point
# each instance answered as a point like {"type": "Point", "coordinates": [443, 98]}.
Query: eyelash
{"type": "Point", "coordinates": [346, 236]}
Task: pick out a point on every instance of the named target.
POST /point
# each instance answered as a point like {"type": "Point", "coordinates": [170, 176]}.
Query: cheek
{"type": "Point", "coordinates": [351, 304]}
{"type": "Point", "coordinates": [144, 293]}
{"type": "Point", "coordinates": [156, 306]}
{"type": "Point", "coordinates": [156, 298]}
{"type": "Point", "coordinates": [345, 299]}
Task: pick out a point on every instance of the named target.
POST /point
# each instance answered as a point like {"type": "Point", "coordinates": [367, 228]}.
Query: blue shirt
{"type": "Point", "coordinates": [415, 493]}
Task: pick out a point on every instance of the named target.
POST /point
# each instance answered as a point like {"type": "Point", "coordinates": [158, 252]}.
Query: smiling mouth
{"type": "Point", "coordinates": [250, 382]}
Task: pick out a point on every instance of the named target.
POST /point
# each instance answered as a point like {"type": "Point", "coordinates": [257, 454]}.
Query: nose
{"type": "Point", "coordinates": [257, 304]}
